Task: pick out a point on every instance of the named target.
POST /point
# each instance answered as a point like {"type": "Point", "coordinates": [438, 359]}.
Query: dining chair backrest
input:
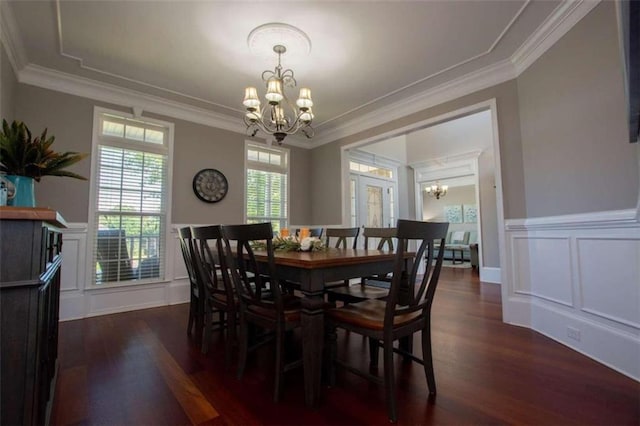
{"type": "Point", "coordinates": [247, 276]}
{"type": "Point", "coordinates": [385, 235]}
{"type": "Point", "coordinates": [313, 232]}
{"type": "Point", "coordinates": [211, 263]}
{"type": "Point", "coordinates": [421, 290]}
{"type": "Point", "coordinates": [186, 246]}
{"type": "Point", "coordinates": [341, 235]}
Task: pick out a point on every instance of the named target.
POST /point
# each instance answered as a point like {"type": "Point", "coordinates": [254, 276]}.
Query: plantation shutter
{"type": "Point", "coordinates": [267, 185]}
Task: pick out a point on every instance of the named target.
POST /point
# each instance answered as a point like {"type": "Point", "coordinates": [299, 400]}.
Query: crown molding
{"type": "Point", "coordinates": [92, 89]}
{"type": "Point", "coordinates": [472, 82]}
{"type": "Point", "coordinates": [563, 18]}
{"type": "Point", "coordinates": [555, 26]}
{"type": "Point", "coordinates": [559, 23]}
{"type": "Point", "coordinates": [67, 83]}
{"type": "Point", "coordinates": [10, 38]}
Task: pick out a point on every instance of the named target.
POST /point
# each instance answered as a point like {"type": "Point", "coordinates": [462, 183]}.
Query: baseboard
{"type": "Point", "coordinates": [617, 349]}
{"type": "Point", "coordinates": [84, 304]}
{"type": "Point", "coordinates": [490, 275]}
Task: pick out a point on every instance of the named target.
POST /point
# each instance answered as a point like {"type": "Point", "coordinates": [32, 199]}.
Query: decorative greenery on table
{"type": "Point", "coordinates": [292, 244]}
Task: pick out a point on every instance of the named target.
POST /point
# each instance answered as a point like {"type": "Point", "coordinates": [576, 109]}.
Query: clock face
{"type": "Point", "coordinates": [210, 185]}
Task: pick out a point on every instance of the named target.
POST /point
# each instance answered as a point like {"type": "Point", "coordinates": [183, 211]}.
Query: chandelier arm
{"type": "Point", "coordinates": [288, 78]}
{"type": "Point", "coordinates": [270, 73]}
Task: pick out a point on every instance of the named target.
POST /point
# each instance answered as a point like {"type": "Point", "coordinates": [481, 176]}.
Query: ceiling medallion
{"type": "Point", "coordinates": [278, 117]}
{"type": "Point", "coordinates": [262, 39]}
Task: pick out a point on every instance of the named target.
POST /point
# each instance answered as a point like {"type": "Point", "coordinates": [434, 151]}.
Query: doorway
{"type": "Point", "coordinates": [490, 186]}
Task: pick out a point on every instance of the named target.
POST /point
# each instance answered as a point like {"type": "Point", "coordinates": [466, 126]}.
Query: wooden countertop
{"type": "Point", "coordinates": [32, 213]}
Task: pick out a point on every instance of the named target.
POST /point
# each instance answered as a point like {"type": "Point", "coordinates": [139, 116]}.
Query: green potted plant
{"type": "Point", "coordinates": [25, 159]}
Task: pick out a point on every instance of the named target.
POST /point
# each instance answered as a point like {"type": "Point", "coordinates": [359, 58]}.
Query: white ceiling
{"type": "Point", "coordinates": [365, 56]}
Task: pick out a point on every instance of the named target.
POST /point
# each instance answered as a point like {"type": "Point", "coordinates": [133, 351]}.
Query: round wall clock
{"type": "Point", "coordinates": [210, 185]}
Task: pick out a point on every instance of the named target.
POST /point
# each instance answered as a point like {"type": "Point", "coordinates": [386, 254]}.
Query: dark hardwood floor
{"type": "Point", "coordinates": [141, 368]}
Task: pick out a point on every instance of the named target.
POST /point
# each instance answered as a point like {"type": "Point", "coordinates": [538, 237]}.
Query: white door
{"type": "Point", "coordinates": [376, 202]}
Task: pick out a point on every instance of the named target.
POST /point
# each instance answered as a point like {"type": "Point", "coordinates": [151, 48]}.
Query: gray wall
{"type": "Point", "coordinates": [433, 209]}
{"type": "Point", "coordinates": [569, 105]}
{"type": "Point", "coordinates": [576, 154]}
{"type": "Point", "coordinates": [571, 155]}
{"type": "Point", "coordinates": [406, 193]}
{"type": "Point", "coordinates": [70, 119]}
{"type": "Point", "coordinates": [8, 85]}
{"type": "Point", "coordinates": [325, 170]}
{"type": "Point", "coordinates": [326, 158]}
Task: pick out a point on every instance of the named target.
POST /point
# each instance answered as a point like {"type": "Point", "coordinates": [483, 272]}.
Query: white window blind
{"type": "Point", "coordinates": [267, 183]}
{"type": "Point", "coordinates": [130, 208]}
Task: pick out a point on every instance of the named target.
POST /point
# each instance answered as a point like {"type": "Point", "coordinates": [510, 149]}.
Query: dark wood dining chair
{"type": "Point", "coordinates": [219, 294]}
{"type": "Point", "coordinates": [407, 309]}
{"type": "Point", "coordinates": [274, 311]}
{"type": "Point", "coordinates": [372, 287]}
{"type": "Point", "coordinates": [196, 293]}
{"type": "Point", "coordinates": [341, 235]}
{"type": "Point", "coordinates": [338, 238]}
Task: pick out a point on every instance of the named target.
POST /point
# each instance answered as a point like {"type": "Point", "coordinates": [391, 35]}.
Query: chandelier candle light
{"type": "Point", "coordinates": [278, 117]}
{"type": "Point", "coordinates": [437, 190]}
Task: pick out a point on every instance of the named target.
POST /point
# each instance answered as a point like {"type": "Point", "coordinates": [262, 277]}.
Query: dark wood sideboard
{"type": "Point", "coordinates": [30, 262]}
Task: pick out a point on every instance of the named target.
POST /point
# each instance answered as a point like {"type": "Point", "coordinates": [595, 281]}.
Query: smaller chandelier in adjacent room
{"type": "Point", "coordinates": [436, 190]}
{"type": "Point", "coordinates": [278, 117]}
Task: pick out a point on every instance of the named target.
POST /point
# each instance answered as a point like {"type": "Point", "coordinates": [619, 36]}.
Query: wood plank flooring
{"type": "Point", "coordinates": [140, 368]}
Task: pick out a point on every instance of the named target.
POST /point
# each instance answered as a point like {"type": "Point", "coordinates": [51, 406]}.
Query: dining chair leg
{"type": "Point", "coordinates": [192, 314]}
{"type": "Point", "coordinates": [199, 320]}
{"type": "Point", "coordinates": [374, 346]}
{"type": "Point", "coordinates": [389, 380]}
{"type": "Point", "coordinates": [330, 353]}
{"type": "Point", "coordinates": [232, 338]}
{"type": "Point", "coordinates": [243, 345]}
{"type": "Point", "coordinates": [279, 371]}
{"type": "Point", "coordinates": [208, 319]}
{"type": "Point", "coordinates": [428, 359]}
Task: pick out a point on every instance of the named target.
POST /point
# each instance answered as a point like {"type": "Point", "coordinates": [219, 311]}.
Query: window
{"type": "Point", "coordinates": [385, 172]}
{"type": "Point", "coordinates": [130, 198]}
{"type": "Point", "coordinates": [267, 185]}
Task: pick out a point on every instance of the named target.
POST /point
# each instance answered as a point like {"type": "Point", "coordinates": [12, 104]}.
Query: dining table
{"type": "Point", "coordinates": [311, 270]}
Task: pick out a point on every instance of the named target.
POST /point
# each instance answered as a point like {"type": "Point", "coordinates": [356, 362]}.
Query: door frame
{"type": "Point", "coordinates": [497, 275]}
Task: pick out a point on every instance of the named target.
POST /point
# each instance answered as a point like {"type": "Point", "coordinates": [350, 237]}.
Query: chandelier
{"type": "Point", "coordinates": [436, 190]}
{"type": "Point", "coordinates": [278, 117]}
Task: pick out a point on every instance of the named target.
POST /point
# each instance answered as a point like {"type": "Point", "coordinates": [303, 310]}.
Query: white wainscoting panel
{"type": "Point", "coordinates": [576, 279]}
{"type": "Point", "coordinates": [597, 257]}
{"type": "Point", "coordinates": [551, 282]}
{"type": "Point", "coordinates": [78, 300]}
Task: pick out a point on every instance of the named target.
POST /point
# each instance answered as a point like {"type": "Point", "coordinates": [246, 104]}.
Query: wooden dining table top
{"type": "Point", "coordinates": [326, 258]}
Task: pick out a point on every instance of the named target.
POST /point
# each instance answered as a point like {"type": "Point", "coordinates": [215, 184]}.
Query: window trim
{"type": "Point", "coordinates": [91, 225]}
{"type": "Point", "coordinates": [373, 161]}
{"type": "Point", "coordinates": [247, 144]}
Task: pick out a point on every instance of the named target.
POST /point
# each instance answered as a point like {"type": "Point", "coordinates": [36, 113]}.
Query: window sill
{"type": "Point", "coordinates": [123, 285]}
